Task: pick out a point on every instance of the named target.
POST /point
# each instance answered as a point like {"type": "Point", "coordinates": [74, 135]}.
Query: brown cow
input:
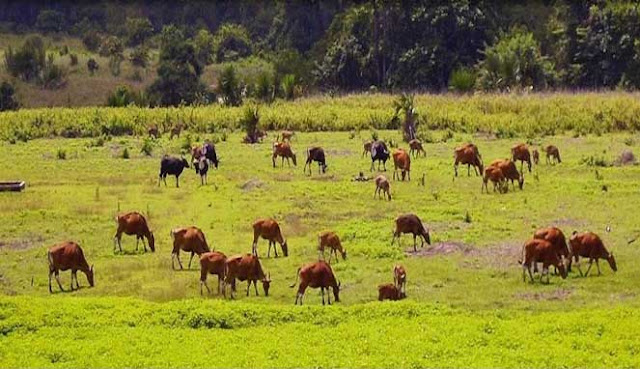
{"type": "Point", "coordinates": [246, 268]}
{"type": "Point", "coordinates": [400, 278]}
{"type": "Point", "coordinates": [283, 149]}
{"type": "Point", "coordinates": [331, 240]}
{"type": "Point", "coordinates": [188, 239]}
{"type": "Point", "coordinates": [402, 161]}
{"type": "Point", "coordinates": [176, 130]}
{"type": "Point", "coordinates": [390, 292]}
{"type": "Point", "coordinates": [509, 171]}
{"type": "Point", "coordinates": [537, 250]}
{"type": "Point", "coordinates": [366, 148]}
{"type": "Point", "coordinates": [212, 263]}
{"type": "Point", "coordinates": [494, 173]}
{"type": "Point", "coordinates": [314, 275]}
{"type": "Point", "coordinates": [553, 154]}
{"type": "Point", "coordinates": [286, 135]}
{"type": "Point", "coordinates": [68, 255]}
{"type": "Point", "coordinates": [468, 154]}
{"type": "Point", "coordinates": [589, 245]}
{"type": "Point", "coordinates": [134, 224]}
{"type": "Point", "coordinates": [411, 223]}
{"type": "Point", "coordinates": [316, 154]}
{"type": "Point", "coordinates": [536, 156]}
{"type": "Point", "coordinates": [268, 229]}
{"type": "Point", "coordinates": [382, 185]}
{"type": "Point", "coordinates": [153, 131]}
{"type": "Point", "coordinates": [521, 152]}
{"type": "Point", "coordinates": [416, 148]}
{"type": "Point", "coordinates": [555, 236]}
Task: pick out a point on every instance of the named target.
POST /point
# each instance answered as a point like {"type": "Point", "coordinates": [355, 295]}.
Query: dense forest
{"type": "Point", "coordinates": [330, 46]}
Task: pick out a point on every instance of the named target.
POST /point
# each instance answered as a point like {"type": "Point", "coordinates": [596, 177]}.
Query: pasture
{"type": "Point", "coordinates": [466, 305]}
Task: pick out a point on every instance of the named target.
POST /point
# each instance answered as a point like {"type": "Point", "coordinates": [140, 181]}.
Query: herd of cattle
{"type": "Point", "coordinates": [548, 245]}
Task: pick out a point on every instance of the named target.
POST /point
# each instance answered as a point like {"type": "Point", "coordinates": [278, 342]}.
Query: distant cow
{"type": "Point", "coordinates": [494, 173]}
{"type": "Point", "coordinates": [521, 152]}
{"type": "Point", "coordinates": [65, 256]}
{"type": "Point", "coordinates": [536, 156]}
{"type": "Point", "coordinates": [246, 268]}
{"type": "Point", "coordinates": [509, 171]}
{"type": "Point", "coordinates": [134, 224]}
{"type": "Point", "coordinates": [400, 277]}
{"type": "Point", "coordinates": [379, 153]}
{"type": "Point", "coordinates": [332, 241]}
{"type": "Point", "coordinates": [202, 168]}
{"type": "Point", "coordinates": [208, 150]}
{"type": "Point", "coordinates": [153, 131]}
{"type": "Point", "coordinates": [390, 292]}
{"type": "Point", "coordinates": [589, 245]}
{"type": "Point", "coordinates": [176, 130]}
{"type": "Point", "coordinates": [555, 236]}
{"type": "Point", "coordinates": [316, 275]}
{"type": "Point", "coordinates": [283, 149]}
{"type": "Point", "coordinates": [316, 154]}
{"type": "Point", "coordinates": [171, 166]}
{"type": "Point", "coordinates": [468, 154]}
{"type": "Point", "coordinates": [213, 263]}
{"type": "Point", "coordinates": [416, 148]}
{"type": "Point", "coordinates": [187, 239]}
{"type": "Point", "coordinates": [382, 185]}
{"type": "Point", "coordinates": [366, 147]}
{"type": "Point", "coordinates": [411, 223]}
{"type": "Point", "coordinates": [286, 135]}
{"type": "Point", "coordinates": [537, 250]}
{"type": "Point", "coordinates": [401, 161]}
{"type": "Point", "coordinates": [268, 229]}
{"type": "Point", "coordinates": [553, 154]}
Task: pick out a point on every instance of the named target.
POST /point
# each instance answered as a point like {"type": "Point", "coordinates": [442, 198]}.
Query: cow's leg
{"type": "Point", "coordinates": [328, 296]}
{"type": "Point", "coordinates": [165, 180]}
{"type": "Point", "coordinates": [177, 255]}
{"type": "Point", "coordinates": [254, 248]}
{"type": "Point", "coordinates": [322, 291]}
{"type": "Point", "coordinates": [475, 169]}
{"type": "Point", "coordinates": [248, 287]}
{"type": "Point", "coordinates": [589, 268]}
{"type": "Point", "coordinates": [268, 250]}
{"type": "Point", "coordinates": [255, 286]}
{"type": "Point", "coordinates": [530, 274]}
{"type": "Point", "coordinates": [137, 242]}
{"type": "Point", "coordinates": [144, 244]}
{"type": "Point", "coordinates": [191, 259]}
{"type": "Point", "coordinates": [57, 273]}
{"type": "Point", "coordinates": [414, 243]}
{"type": "Point", "coordinates": [177, 181]}
{"type": "Point", "coordinates": [50, 273]}
{"type": "Point", "coordinates": [598, 266]}
{"type": "Point", "coordinates": [275, 248]}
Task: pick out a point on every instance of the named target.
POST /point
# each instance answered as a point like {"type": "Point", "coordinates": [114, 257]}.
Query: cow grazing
{"type": "Point", "coordinates": [316, 275]}
{"type": "Point", "coordinates": [536, 156]}
{"type": "Point", "coordinates": [246, 268]}
{"type": "Point", "coordinates": [286, 135]}
{"type": "Point", "coordinates": [416, 148]}
{"type": "Point", "coordinates": [187, 239]}
{"type": "Point", "coordinates": [553, 154]}
{"type": "Point", "coordinates": [509, 171]}
{"type": "Point", "coordinates": [134, 224]}
{"type": "Point", "coordinates": [65, 256]}
{"type": "Point", "coordinates": [468, 154]}
{"type": "Point", "coordinates": [521, 152]}
{"type": "Point", "coordinates": [537, 250]}
{"type": "Point", "coordinates": [283, 149]}
{"type": "Point", "coordinates": [315, 154]}
{"type": "Point", "coordinates": [555, 236]}
{"type": "Point", "coordinates": [382, 185]}
{"type": "Point", "coordinates": [176, 130]}
{"type": "Point", "coordinates": [589, 245]}
{"type": "Point", "coordinates": [494, 173]}
{"type": "Point", "coordinates": [332, 241]}
{"type": "Point", "coordinates": [402, 161]}
{"type": "Point", "coordinates": [153, 131]}
{"type": "Point", "coordinates": [400, 278]}
{"type": "Point", "coordinates": [366, 148]}
{"type": "Point", "coordinates": [208, 151]}
{"type": "Point", "coordinates": [379, 153]}
{"type": "Point", "coordinates": [202, 168]}
{"type": "Point", "coordinates": [268, 229]}
{"type": "Point", "coordinates": [411, 223]}
{"type": "Point", "coordinates": [171, 166]}
{"type": "Point", "coordinates": [213, 263]}
{"type": "Point", "coordinates": [390, 292]}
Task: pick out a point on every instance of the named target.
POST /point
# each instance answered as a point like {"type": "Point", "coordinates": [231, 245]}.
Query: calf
{"type": "Point", "coordinates": [379, 153]}
{"type": "Point", "coordinates": [153, 131]}
{"type": "Point", "coordinates": [496, 176]}
{"type": "Point", "coordinates": [536, 156]}
{"type": "Point", "coordinates": [286, 135]}
{"type": "Point", "coordinates": [202, 167]}
{"type": "Point", "coordinates": [246, 268]}
{"type": "Point", "coordinates": [134, 224]}
{"type": "Point", "coordinates": [390, 292]}
{"type": "Point", "coordinates": [212, 263]}
{"type": "Point", "coordinates": [332, 241]}
{"type": "Point", "coordinates": [589, 245]}
{"type": "Point", "coordinates": [187, 239]}
{"type": "Point", "coordinates": [410, 223]}
{"type": "Point", "coordinates": [416, 148]}
{"type": "Point", "coordinates": [316, 275]}
{"type": "Point", "coordinates": [171, 166]}
{"type": "Point", "coordinates": [382, 185]}
{"type": "Point", "coordinates": [553, 154]}
{"type": "Point", "coordinates": [537, 250]}
{"type": "Point", "coordinates": [283, 149]}
{"type": "Point", "coordinates": [400, 278]}
{"type": "Point", "coordinates": [316, 154]}
{"type": "Point", "coordinates": [196, 154]}
{"type": "Point", "coordinates": [402, 161]}
{"type": "Point", "coordinates": [65, 256]}
{"type": "Point", "coordinates": [268, 229]}
{"type": "Point", "coordinates": [521, 152]}
{"type": "Point", "coordinates": [468, 154]}
{"type": "Point", "coordinates": [366, 148]}
{"type": "Point", "coordinates": [176, 130]}
{"type": "Point", "coordinates": [555, 236]}
{"type": "Point", "coordinates": [509, 171]}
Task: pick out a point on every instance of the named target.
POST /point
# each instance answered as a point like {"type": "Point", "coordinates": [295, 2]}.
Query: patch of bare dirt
{"type": "Point", "coordinates": [295, 226]}
{"type": "Point", "coordinates": [559, 294]}
{"type": "Point", "coordinates": [283, 177]}
{"type": "Point", "coordinates": [22, 244]}
{"type": "Point", "coordinates": [440, 248]}
{"type": "Point", "coordinates": [335, 152]}
{"type": "Point", "coordinates": [501, 256]}
{"type": "Point", "coordinates": [252, 184]}
{"type": "Point", "coordinates": [330, 177]}
{"type": "Point", "coordinates": [568, 222]}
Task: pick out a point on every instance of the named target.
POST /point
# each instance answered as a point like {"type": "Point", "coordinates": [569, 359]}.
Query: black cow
{"type": "Point", "coordinates": [316, 154]}
{"type": "Point", "coordinates": [379, 153]}
{"type": "Point", "coordinates": [209, 152]}
{"type": "Point", "coordinates": [172, 166]}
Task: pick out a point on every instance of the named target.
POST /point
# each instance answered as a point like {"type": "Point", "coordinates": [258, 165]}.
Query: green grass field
{"type": "Point", "coordinates": [466, 306]}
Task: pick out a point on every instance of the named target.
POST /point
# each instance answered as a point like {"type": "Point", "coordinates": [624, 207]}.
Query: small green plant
{"type": "Point", "coordinates": [125, 153]}
{"type": "Point", "coordinates": [62, 154]}
{"type": "Point", "coordinates": [374, 135]}
{"type": "Point", "coordinates": [147, 146]}
{"type": "Point", "coordinates": [595, 161]}
{"type": "Point", "coordinates": [352, 135]}
{"type": "Point", "coordinates": [73, 59]}
{"type": "Point", "coordinates": [224, 135]}
{"type": "Point", "coordinates": [436, 195]}
{"type": "Point", "coordinates": [629, 141]}
{"type": "Point", "coordinates": [467, 217]}
{"type": "Point", "coordinates": [448, 135]}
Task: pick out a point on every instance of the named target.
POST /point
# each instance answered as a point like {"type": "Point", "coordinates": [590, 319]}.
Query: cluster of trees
{"type": "Point", "coordinates": [346, 45]}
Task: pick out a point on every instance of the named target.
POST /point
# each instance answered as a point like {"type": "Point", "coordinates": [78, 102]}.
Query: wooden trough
{"type": "Point", "coordinates": [12, 186]}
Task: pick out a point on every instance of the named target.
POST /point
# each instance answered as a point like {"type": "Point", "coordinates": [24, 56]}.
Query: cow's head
{"type": "Point", "coordinates": [427, 236]}
{"type": "Point", "coordinates": [266, 283]}
{"type": "Point", "coordinates": [185, 163]}
{"type": "Point", "coordinates": [480, 167]}
{"type": "Point", "coordinates": [90, 276]}
{"type": "Point", "coordinates": [562, 269]}
{"type": "Point", "coordinates": [344, 254]}
{"type": "Point", "coordinates": [285, 248]}
{"type": "Point", "coordinates": [324, 168]}
{"type": "Point", "coordinates": [612, 262]}
{"type": "Point", "coordinates": [152, 242]}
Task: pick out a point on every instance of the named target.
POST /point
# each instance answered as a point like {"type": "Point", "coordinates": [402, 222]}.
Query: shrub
{"type": "Point", "coordinates": [61, 154]}
{"type": "Point", "coordinates": [138, 30]}
{"type": "Point", "coordinates": [28, 62]}
{"type": "Point", "coordinates": [264, 87]}
{"type": "Point", "coordinates": [114, 64]}
{"type": "Point", "coordinates": [374, 135]}
{"type": "Point", "coordinates": [53, 76]}
{"type": "Point", "coordinates": [249, 123]}
{"type": "Point", "coordinates": [125, 153]}
{"type": "Point", "coordinates": [92, 41]}
{"type": "Point", "coordinates": [120, 97]}
{"type": "Point", "coordinates": [147, 146]}
{"type": "Point", "coordinates": [139, 56]}
{"type": "Point", "coordinates": [110, 46]}
{"type": "Point", "coordinates": [229, 87]}
{"type": "Point", "coordinates": [73, 59]}
{"type": "Point", "coordinates": [92, 66]}
{"type": "Point", "coordinates": [7, 98]}
{"type": "Point", "coordinates": [462, 80]}
{"type": "Point", "coordinates": [288, 86]}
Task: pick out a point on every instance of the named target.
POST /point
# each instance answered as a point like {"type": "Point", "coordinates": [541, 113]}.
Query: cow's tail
{"type": "Point", "coordinates": [297, 275]}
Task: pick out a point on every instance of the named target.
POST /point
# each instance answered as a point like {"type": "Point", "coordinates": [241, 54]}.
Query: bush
{"type": "Point", "coordinates": [92, 66]}
{"type": "Point", "coordinates": [288, 86]}
{"type": "Point", "coordinates": [114, 64]}
{"type": "Point", "coordinates": [53, 76]}
{"type": "Point", "coordinates": [231, 42]}
{"type": "Point", "coordinates": [92, 41]}
{"type": "Point", "coordinates": [138, 30]}
{"type": "Point", "coordinates": [229, 87]}
{"type": "Point", "coordinates": [462, 80]}
{"type": "Point", "coordinates": [120, 97]}
{"type": "Point", "coordinates": [28, 62]}
{"type": "Point", "coordinates": [73, 59]}
{"type": "Point", "coordinates": [7, 98]}
{"type": "Point", "coordinates": [264, 87]}
{"type": "Point", "coordinates": [147, 146]}
{"type": "Point", "coordinates": [249, 123]}
{"type": "Point", "coordinates": [110, 46]}
{"type": "Point", "coordinates": [125, 153]}
{"type": "Point", "coordinates": [61, 154]}
{"type": "Point", "coordinates": [139, 56]}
